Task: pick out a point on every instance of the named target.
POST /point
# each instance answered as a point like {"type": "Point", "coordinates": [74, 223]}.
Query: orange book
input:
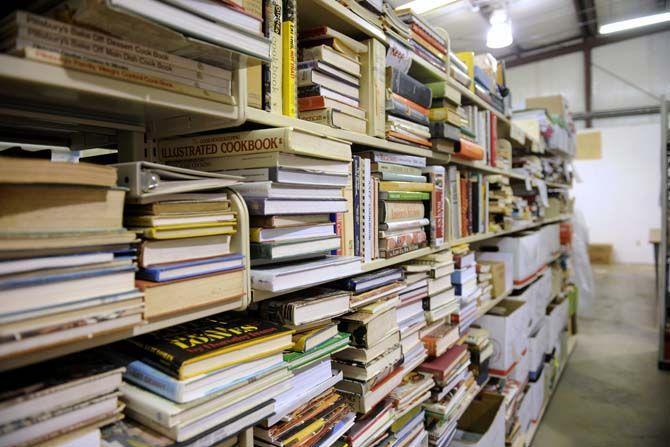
{"type": "Point", "coordinates": [394, 136]}
{"type": "Point", "coordinates": [411, 104]}
{"type": "Point", "coordinates": [430, 39]}
{"type": "Point", "coordinates": [468, 150]}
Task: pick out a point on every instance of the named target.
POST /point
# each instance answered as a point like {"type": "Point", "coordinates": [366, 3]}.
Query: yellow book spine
{"type": "Point", "coordinates": [290, 56]}
{"type": "Point", "coordinates": [255, 234]}
{"type": "Point", "coordinates": [468, 57]}
{"type": "Point", "coordinates": [406, 186]}
{"type": "Point", "coordinates": [161, 233]}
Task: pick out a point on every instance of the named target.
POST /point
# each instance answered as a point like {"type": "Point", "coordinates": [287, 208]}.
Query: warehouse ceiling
{"type": "Point", "coordinates": [536, 24]}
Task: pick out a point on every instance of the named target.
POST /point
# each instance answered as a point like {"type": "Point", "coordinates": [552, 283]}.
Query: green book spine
{"type": "Point", "coordinates": [404, 195]}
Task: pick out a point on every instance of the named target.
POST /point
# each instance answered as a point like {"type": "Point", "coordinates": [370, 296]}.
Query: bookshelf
{"type": "Point", "coordinates": [424, 72]}
{"type": "Point", "coordinates": [317, 12]}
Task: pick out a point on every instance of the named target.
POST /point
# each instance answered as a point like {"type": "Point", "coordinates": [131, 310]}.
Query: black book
{"type": "Point", "coordinates": [408, 87]}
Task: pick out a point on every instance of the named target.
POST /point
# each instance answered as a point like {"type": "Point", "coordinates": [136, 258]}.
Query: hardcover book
{"type": "Point", "coordinates": [204, 345]}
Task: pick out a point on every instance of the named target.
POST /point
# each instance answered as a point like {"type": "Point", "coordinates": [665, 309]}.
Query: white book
{"type": "Point", "coordinates": [49, 262]}
{"type": "Point", "coordinates": [291, 176]}
{"type": "Point", "coordinates": [368, 211]}
{"type": "Point", "coordinates": [259, 206]}
{"type": "Point", "coordinates": [174, 250]}
{"type": "Point", "coordinates": [274, 190]}
{"type": "Point", "coordinates": [286, 234]}
{"type": "Point", "coordinates": [219, 12]}
{"type": "Point", "coordinates": [302, 274]}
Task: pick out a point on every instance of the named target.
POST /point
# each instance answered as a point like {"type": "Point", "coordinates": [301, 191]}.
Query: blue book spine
{"type": "Point", "coordinates": [150, 378]}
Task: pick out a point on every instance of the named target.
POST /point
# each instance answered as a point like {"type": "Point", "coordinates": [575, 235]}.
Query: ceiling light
{"type": "Point", "coordinates": [637, 22]}
{"type": "Point", "coordinates": [424, 6]}
{"type": "Point", "coordinates": [500, 33]}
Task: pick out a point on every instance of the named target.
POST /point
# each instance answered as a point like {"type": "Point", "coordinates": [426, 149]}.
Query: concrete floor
{"type": "Point", "coordinates": [612, 393]}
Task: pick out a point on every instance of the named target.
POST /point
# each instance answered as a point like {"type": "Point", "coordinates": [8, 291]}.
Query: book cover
{"type": "Point", "coordinates": [404, 195]}
{"type": "Point", "coordinates": [274, 72]}
{"type": "Point", "coordinates": [207, 266]}
{"type": "Point", "coordinates": [289, 58]}
{"type": "Point", "coordinates": [436, 176]}
{"type": "Point", "coordinates": [406, 186]}
{"type": "Point", "coordinates": [171, 348]}
{"type": "Point", "coordinates": [388, 157]}
{"type": "Point", "coordinates": [408, 87]}
{"type": "Point", "coordinates": [394, 211]}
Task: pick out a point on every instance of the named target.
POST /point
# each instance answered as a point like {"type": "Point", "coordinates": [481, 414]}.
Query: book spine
{"type": "Point", "coordinates": [274, 68]}
{"type": "Point", "coordinates": [80, 64]}
{"type": "Point", "coordinates": [404, 195]}
{"type": "Point", "coordinates": [147, 377]}
{"type": "Point", "coordinates": [468, 150]}
{"type": "Point", "coordinates": [402, 240]}
{"type": "Point", "coordinates": [394, 176]}
{"type": "Point", "coordinates": [357, 197]}
{"type": "Point", "coordinates": [428, 38]}
{"type": "Point", "coordinates": [322, 116]}
{"type": "Point", "coordinates": [368, 212]}
{"type": "Point", "coordinates": [408, 87]}
{"type": "Point", "coordinates": [493, 138]}
{"type": "Point", "coordinates": [290, 58]}
{"type": "Point", "coordinates": [394, 211]}
{"type": "Point", "coordinates": [260, 251]}
{"type": "Point", "coordinates": [388, 157]}
{"type": "Point", "coordinates": [253, 7]}
{"type": "Point", "coordinates": [397, 169]}
{"type": "Point", "coordinates": [464, 207]}
{"type": "Point", "coordinates": [391, 253]}
{"type": "Point", "coordinates": [306, 103]}
{"type": "Point", "coordinates": [149, 55]}
{"type": "Point", "coordinates": [475, 193]}
{"type": "Point", "coordinates": [373, 87]}
{"type": "Point", "coordinates": [398, 108]}
{"type": "Point", "coordinates": [436, 175]}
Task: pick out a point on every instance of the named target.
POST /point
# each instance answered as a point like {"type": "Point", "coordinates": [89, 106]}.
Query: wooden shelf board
{"type": "Point", "coordinates": [382, 263]}
{"type": "Point", "coordinates": [424, 72]}
{"type": "Point", "coordinates": [486, 307]}
{"type": "Point", "coordinates": [275, 120]}
{"type": "Point", "coordinates": [572, 343]}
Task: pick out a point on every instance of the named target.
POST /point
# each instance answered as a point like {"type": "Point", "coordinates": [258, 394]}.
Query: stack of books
{"type": "Point", "coordinates": [408, 399]}
{"type": "Point", "coordinates": [484, 282]}
{"type": "Point", "coordinates": [185, 256]}
{"type": "Point", "coordinates": [294, 188]}
{"type": "Point", "coordinates": [466, 288]}
{"type": "Point", "coordinates": [458, 70]}
{"type": "Point", "coordinates": [67, 405]}
{"type": "Point", "coordinates": [390, 209]}
{"type": "Point", "coordinates": [373, 427]}
{"type": "Point", "coordinates": [205, 380]}
{"type": "Point", "coordinates": [74, 47]}
{"type": "Point", "coordinates": [411, 320]}
{"type": "Point", "coordinates": [501, 202]}
{"type": "Point", "coordinates": [369, 10]}
{"type": "Point", "coordinates": [455, 388]}
{"type": "Point", "coordinates": [425, 41]}
{"type": "Point", "coordinates": [407, 105]}
{"type": "Point", "coordinates": [445, 119]}
{"type": "Point", "coordinates": [65, 259]}
{"type": "Point", "coordinates": [481, 348]}
{"type": "Point", "coordinates": [486, 78]}
{"type": "Point", "coordinates": [310, 405]}
{"type": "Point", "coordinates": [374, 289]}
{"type": "Point", "coordinates": [329, 79]}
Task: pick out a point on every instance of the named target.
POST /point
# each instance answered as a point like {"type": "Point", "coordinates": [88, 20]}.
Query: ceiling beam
{"type": "Point", "coordinates": [557, 49]}
{"type": "Point", "coordinates": [582, 18]}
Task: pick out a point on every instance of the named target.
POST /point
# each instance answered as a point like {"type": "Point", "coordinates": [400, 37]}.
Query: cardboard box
{"type": "Point", "coordinates": [556, 280]}
{"type": "Point", "coordinates": [485, 417]}
{"type": "Point", "coordinates": [558, 321]}
{"type": "Point", "coordinates": [526, 251]}
{"type": "Point", "coordinates": [555, 105]}
{"type": "Point", "coordinates": [506, 324]}
{"type": "Point", "coordinates": [537, 391]}
{"type": "Point", "coordinates": [601, 253]}
{"type": "Point", "coordinates": [497, 276]}
{"type": "Point", "coordinates": [589, 145]}
{"type": "Point", "coordinates": [529, 296]}
{"type": "Point", "coordinates": [537, 345]}
{"type": "Point", "coordinates": [525, 410]}
{"type": "Point", "coordinates": [522, 368]}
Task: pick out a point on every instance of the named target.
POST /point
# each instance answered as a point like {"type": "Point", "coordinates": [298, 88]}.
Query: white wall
{"type": "Point", "coordinates": [619, 195]}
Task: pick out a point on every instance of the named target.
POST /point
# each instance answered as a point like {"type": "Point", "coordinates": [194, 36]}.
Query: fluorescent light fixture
{"type": "Point", "coordinates": [424, 6]}
{"type": "Point", "coordinates": [637, 22]}
{"type": "Point", "coordinates": [500, 33]}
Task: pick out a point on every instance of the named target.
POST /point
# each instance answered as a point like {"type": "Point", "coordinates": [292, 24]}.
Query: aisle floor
{"type": "Point", "coordinates": [612, 393]}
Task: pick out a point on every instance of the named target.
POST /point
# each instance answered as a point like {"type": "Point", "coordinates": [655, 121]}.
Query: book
{"type": "Point", "coordinates": [274, 71]}
{"type": "Point", "coordinates": [305, 341]}
{"type": "Point", "coordinates": [293, 233]}
{"type": "Point", "coordinates": [396, 105]}
{"type": "Point", "coordinates": [318, 90]}
{"type": "Point", "coordinates": [190, 151]}
{"type": "Point", "coordinates": [331, 56]}
{"type": "Point", "coordinates": [298, 360]}
{"type": "Point", "coordinates": [407, 87]}
{"type": "Point", "coordinates": [289, 220]}
{"type": "Point", "coordinates": [406, 186]}
{"type": "Point", "coordinates": [468, 150]}
{"type": "Point", "coordinates": [187, 230]}
{"type": "Point", "coordinates": [325, 31]}
{"type": "Point", "coordinates": [153, 252]}
{"type": "Point", "coordinates": [370, 281]}
{"type": "Point", "coordinates": [188, 269]}
{"type": "Point", "coordinates": [401, 211]}
{"type": "Point", "coordinates": [405, 137]}
{"type": "Point", "coordinates": [277, 190]}
{"type": "Point", "coordinates": [443, 365]}
{"type": "Point", "coordinates": [35, 171]}
{"type": "Point", "coordinates": [335, 118]}
{"type": "Point", "coordinates": [307, 77]}
{"type": "Point", "coordinates": [212, 343]}
{"type": "Point", "coordinates": [41, 208]}
{"type": "Point", "coordinates": [438, 341]}
{"type": "Point", "coordinates": [365, 355]}
{"type": "Point", "coordinates": [437, 177]}
{"type": "Point", "coordinates": [266, 207]}
{"type": "Point", "coordinates": [368, 329]}
{"type": "Point", "coordinates": [285, 163]}
{"type": "Point", "coordinates": [223, 289]}
{"type": "Point", "coordinates": [445, 130]}
{"type": "Point", "coordinates": [301, 274]}
{"type": "Point", "coordinates": [399, 159]}
{"type": "Point", "coordinates": [307, 103]}
{"type": "Point", "coordinates": [321, 70]}
{"type": "Point", "coordinates": [291, 250]}
{"type": "Point", "coordinates": [306, 306]}
{"type": "Point", "coordinates": [372, 97]}
{"type": "Point", "coordinates": [198, 388]}
{"type": "Point", "coordinates": [171, 220]}
{"type": "Point", "coordinates": [375, 370]}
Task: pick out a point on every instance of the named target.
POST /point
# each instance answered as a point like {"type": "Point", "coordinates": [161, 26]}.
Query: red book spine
{"type": "Point", "coordinates": [430, 39]}
{"type": "Point", "coordinates": [464, 207]}
{"type": "Point", "coordinates": [468, 150]}
{"type": "Point", "coordinates": [494, 138]}
{"type": "Point", "coordinates": [311, 103]}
